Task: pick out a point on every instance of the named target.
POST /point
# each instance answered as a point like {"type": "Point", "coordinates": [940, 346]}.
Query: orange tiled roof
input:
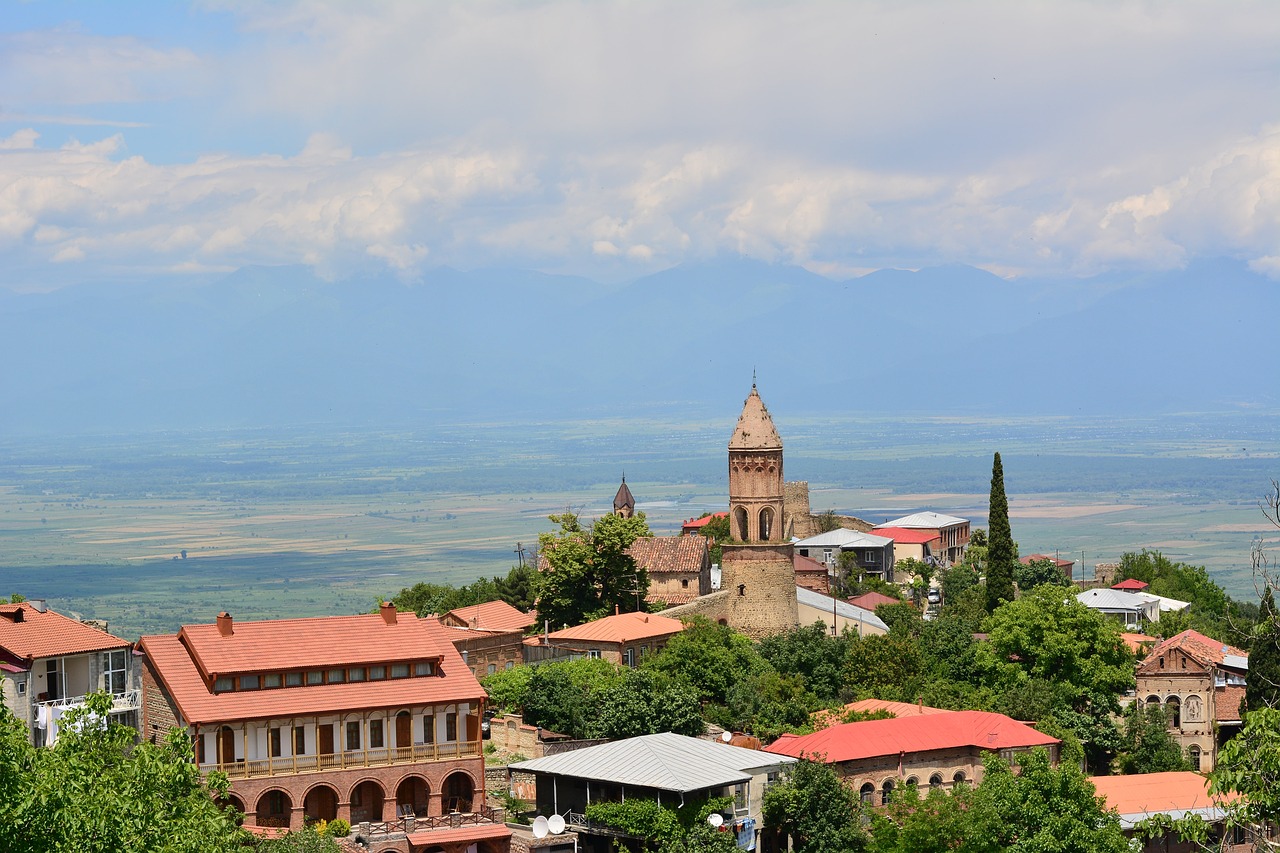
{"type": "Point", "coordinates": [1204, 649]}
{"type": "Point", "coordinates": [1153, 793]}
{"type": "Point", "coordinates": [198, 705]}
{"type": "Point", "coordinates": [621, 628]}
{"type": "Point", "coordinates": [490, 616]}
{"type": "Point", "coordinates": [948, 730]}
{"type": "Point", "coordinates": [328, 641]}
{"type": "Point", "coordinates": [1136, 642]}
{"type": "Point", "coordinates": [661, 554]}
{"type": "Point", "coordinates": [872, 600]}
{"type": "Point", "coordinates": [26, 633]}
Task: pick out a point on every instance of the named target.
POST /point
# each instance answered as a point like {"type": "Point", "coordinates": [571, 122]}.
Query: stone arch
{"type": "Point", "coordinates": [766, 524]}
{"type": "Point", "coordinates": [867, 793]}
{"type": "Point", "coordinates": [413, 796]}
{"type": "Point", "coordinates": [366, 798]}
{"type": "Point", "coordinates": [1173, 710]}
{"type": "Point", "coordinates": [274, 808]}
{"type": "Point", "coordinates": [959, 778]}
{"type": "Point", "coordinates": [886, 791]}
{"type": "Point", "coordinates": [457, 792]}
{"type": "Point", "coordinates": [935, 781]}
{"type": "Point", "coordinates": [913, 782]}
{"type": "Point", "coordinates": [741, 526]}
{"type": "Point", "coordinates": [320, 802]}
{"type": "Point", "coordinates": [1153, 701]}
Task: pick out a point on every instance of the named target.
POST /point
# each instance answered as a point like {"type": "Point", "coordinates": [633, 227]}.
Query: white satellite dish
{"type": "Point", "coordinates": [726, 736]}
{"type": "Point", "coordinates": [715, 819]}
{"type": "Point", "coordinates": [555, 823]}
{"type": "Point", "coordinates": [540, 826]}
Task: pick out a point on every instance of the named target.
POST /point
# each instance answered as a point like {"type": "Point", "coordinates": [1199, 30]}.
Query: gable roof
{"type": "Point", "coordinates": [489, 616]}
{"type": "Point", "coordinates": [1204, 649]}
{"type": "Point", "coordinates": [623, 499]}
{"type": "Point", "coordinates": [803, 564]}
{"type": "Point", "coordinates": [898, 709]}
{"type": "Point", "coordinates": [176, 667]}
{"type": "Point", "coordinates": [663, 554]}
{"type": "Point", "coordinates": [927, 520]}
{"type": "Point", "coordinates": [872, 600]}
{"type": "Point", "coordinates": [908, 535]}
{"type": "Point", "coordinates": [877, 738]}
{"type": "Point", "coordinates": [621, 628]}
{"type": "Point", "coordinates": [844, 609]}
{"type": "Point", "coordinates": [1113, 599]}
{"type": "Point", "coordinates": [667, 761]}
{"type": "Point", "coordinates": [1175, 794]}
{"type": "Point", "coordinates": [695, 524]}
{"type": "Point", "coordinates": [28, 633]}
{"type": "Point", "coordinates": [1131, 583]}
{"type": "Point", "coordinates": [755, 429]}
{"type": "Point", "coordinates": [844, 538]}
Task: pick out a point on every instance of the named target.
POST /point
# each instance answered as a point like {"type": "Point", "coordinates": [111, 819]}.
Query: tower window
{"type": "Point", "coordinates": [740, 517]}
{"type": "Point", "coordinates": [766, 523]}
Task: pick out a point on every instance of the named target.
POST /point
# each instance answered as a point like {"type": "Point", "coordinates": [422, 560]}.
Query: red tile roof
{"type": "Point", "coordinates": [490, 616]}
{"type": "Point", "coordinates": [695, 524]}
{"type": "Point", "coordinates": [329, 641]}
{"type": "Point", "coordinates": [872, 600]}
{"type": "Point", "coordinates": [454, 682]}
{"type": "Point", "coordinates": [1131, 583]}
{"type": "Point", "coordinates": [1204, 649]}
{"type": "Point", "coordinates": [26, 633]}
{"type": "Point", "coordinates": [907, 536]}
{"type": "Point", "coordinates": [675, 554]}
{"type": "Point", "coordinates": [1136, 642]}
{"type": "Point", "coordinates": [1154, 793]}
{"type": "Point", "coordinates": [1034, 558]}
{"type": "Point", "coordinates": [622, 628]}
{"type": "Point", "coordinates": [463, 834]}
{"type": "Point", "coordinates": [807, 564]}
{"type": "Point", "coordinates": [876, 738]}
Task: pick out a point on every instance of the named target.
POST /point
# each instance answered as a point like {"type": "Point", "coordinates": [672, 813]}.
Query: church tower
{"type": "Point", "coordinates": [623, 503]}
{"type": "Point", "coordinates": [756, 569]}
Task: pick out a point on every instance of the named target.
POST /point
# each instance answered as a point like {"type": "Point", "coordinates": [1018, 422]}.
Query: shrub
{"type": "Point", "coordinates": [337, 828]}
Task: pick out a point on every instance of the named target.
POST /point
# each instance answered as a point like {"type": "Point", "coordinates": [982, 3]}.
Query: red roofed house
{"type": "Point", "coordinates": [952, 533]}
{"type": "Point", "coordinates": [366, 718]}
{"type": "Point", "coordinates": [1173, 794]}
{"type": "Point", "coordinates": [695, 525]}
{"type": "Point", "coordinates": [50, 661]}
{"type": "Point", "coordinates": [872, 600]}
{"type": "Point", "coordinates": [679, 567]}
{"type": "Point", "coordinates": [811, 574]}
{"type": "Point", "coordinates": [919, 545]}
{"type": "Point", "coordinates": [939, 750]}
{"type": "Point", "coordinates": [1200, 683]}
{"type": "Point", "coordinates": [489, 636]}
{"type": "Point", "coordinates": [1067, 567]}
{"type": "Point", "coordinates": [623, 638]}
{"type": "Point", "coordinates": [1131, 585]}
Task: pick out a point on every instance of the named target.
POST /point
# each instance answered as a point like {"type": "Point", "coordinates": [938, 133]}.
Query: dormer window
{"type": "Point", "coordinates": [337, 676]}
{"type": "Point", "coordinates": [315, 677]}
{"type": "Point", "coordinates": [271, 679]}
{"type": "Point", "coordinates": [223, 684]}
{"type": "Point", "coordinates": [293, 679]}
{"type": "Point", "coordinates": [400, 670]}
{"type": "Point", "coordinates": [248, 682]}
{"type": "Point", "coordinates": [425, 668]}
{"type": "Point", "coordinates": [377, 673]}
{"type": "Point", "coordinates": [355, 674]}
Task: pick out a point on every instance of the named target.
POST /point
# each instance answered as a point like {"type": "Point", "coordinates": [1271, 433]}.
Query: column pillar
{"type": "Point", "coordinates": [297, 819]}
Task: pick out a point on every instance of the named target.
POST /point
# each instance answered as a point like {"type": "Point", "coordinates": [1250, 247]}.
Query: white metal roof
{"type": "Point", "coordinates": [667, 761]}
{"type": "Point", "coordinates": [1114, 599]}
{"type": "Point", "coordinates": [817, 600]}
{"type": "Point", "coordinates": [927, 520]}
{"type": "Point", "coordinates": [842, 538]}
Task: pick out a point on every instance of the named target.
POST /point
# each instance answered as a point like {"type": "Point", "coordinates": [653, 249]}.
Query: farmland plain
{"type": "Point", "coordinates": [155, 530]}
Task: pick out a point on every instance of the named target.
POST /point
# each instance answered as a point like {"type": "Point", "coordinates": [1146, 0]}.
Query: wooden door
{"type": "Point", "coordinates": [324, 735]}
{"type": "Point", "coordinates": [226, 745]}
{"type": "Point", "coordinates": [404, 729]}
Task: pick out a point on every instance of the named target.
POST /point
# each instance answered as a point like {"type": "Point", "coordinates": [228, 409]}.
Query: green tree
{"type": "Point", "coordinates": [1001, 554]}
{"type": "Point", "coordinates": [1262, 682]}
{"type": "Point", "coordinates": [809, 651]}
{"type": "Point", "coordinates": [1037, 572]}
{"type": "Point", "coordinates": [644, 702]}
{"type": "Point", "coordinates": [816, 809]}
{"type": "Point", "coordinates": [516, 588]}
{"type": "Point", "coordinates": [1147, 746]}
{"type": "Point", "coordinates": [711, 658]}
{"type": "Point", "coordinates": [827, 521]}
{"type": "Point", "coordinates": [508, 688]}
{"type": "Point", "coordinates": [717, 533]}
{"type": "Point", "coordinates": [589, 574]}
{"type": "Point", "coordinates": [1249, 765]}
{"type": "Point", "coordinates": [937, 823]}
{"type": "Point", "coordinates": [563, 696]}
{"type": "Point", "coordinates": [300, 841]}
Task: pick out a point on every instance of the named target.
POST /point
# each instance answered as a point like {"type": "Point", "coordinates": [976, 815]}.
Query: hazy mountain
{"type": "Point", "coordinates": [278, 345]}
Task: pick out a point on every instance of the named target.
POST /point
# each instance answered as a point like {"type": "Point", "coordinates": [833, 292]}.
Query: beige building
{"type": "Point", "coordinates": [951, 532]}
{"type": "Point", "coordinates": [679, 567]}
{"type": "Point", "coordinates": [1200, 683]}
{"type": "Point", "coordinates": [623, 638]}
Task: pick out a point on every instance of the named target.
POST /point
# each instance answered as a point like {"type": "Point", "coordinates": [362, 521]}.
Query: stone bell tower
{"type": "Point", "coordinates": [757, 570]}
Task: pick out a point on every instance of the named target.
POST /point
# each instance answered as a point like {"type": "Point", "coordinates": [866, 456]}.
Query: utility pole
{"type": "Point", "coordinates": [520, 553]}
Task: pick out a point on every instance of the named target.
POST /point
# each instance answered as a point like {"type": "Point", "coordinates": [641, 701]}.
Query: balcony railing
{"type": "Point", "coordinates": [486, 815]}
{"type": "Point", "coordinates": [130, 700]}
{"type": "Point", "coordinates": [257, 767]}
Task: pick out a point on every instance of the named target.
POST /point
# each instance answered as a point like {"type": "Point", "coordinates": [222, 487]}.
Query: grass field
{"type": "Point", "coordinates": [323, 521]}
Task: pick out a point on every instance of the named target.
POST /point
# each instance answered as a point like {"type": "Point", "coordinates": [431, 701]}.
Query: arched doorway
{"type": "Point", "coordinates": [234, 804]}
{"type": "Point", "coordinates": [412, 797]}
{"type": "Point", "coordinates": [886, 792]}
{"type": "Point", "coordinates": [366, 802]}
{"type": "Point", "coordinates": [320, 803]}
{"type": "Point", "coordinates": [1173, 711]}
{"type": "Point", "coordinates": [1193, 755]}
{"type": "Point", "coordinates": [457, 791]}
{"type": "Point", "coordinates": [274, 808]}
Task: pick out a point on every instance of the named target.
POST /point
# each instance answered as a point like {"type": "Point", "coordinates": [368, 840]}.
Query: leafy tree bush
{"type": "Point", "coordinates": [1147, 746]}
{"type": "Point", "coordinates": [711, 658]}
{"type": "Point", "coordinates": [1038, 572]}
{"type": "Point", "coordinates": [816, 809]}
{"type": "Point", "coordinates": [589, 573]}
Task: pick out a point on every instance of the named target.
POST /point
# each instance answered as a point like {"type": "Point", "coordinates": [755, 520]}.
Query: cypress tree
{"type": "Point", "coordinates": [999, 542]}
{"type": "Point", "coordinates": [1262, 683]}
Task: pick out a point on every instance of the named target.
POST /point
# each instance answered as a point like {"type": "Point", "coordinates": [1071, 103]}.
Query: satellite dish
{"type": "Point", "coordinates": [555, 823]}
{"type": "Point", "coordinates": [715, 819]}
{"type": "Point", "coordinates": [726, 736]}
{"type": "Point", "coordinates": [540, 826]}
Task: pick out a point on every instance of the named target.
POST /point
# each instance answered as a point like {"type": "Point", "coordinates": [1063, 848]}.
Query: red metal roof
{"type": "Point", "coordinates": [1131, 583]}
{"type": "Point", "coordinates": [622, 628]}
{"type": "Point", "coordinates": [454, 682]}
{"type": "Point", "coordinates": [1155, 793]}
{"type": "Point", "coordinates": [907, 536]}
{"type": "Point", "coordinates": [474, 832]}
{"type": "Point", "coordinates": [694, 524]}
{"type": "Point", "coordinates": [875, 738]}
{"type": "Point", "coordinates": [27, 633]}
{"type": "Point", "coordinates": [872, 600]}
{"type": "Point", "coordinates": [490, 616]}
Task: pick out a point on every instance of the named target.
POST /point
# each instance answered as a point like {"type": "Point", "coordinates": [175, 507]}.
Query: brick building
{"type": "Point", "coordinates": [1200, 683]}
{"type": "Point", "coordinates": [50, 662]}
{"type": "Point", "coordinates": [935, 750]}
{"type": "Point", "coordinates": [679, 567]}
{"type": "Point", "coordinates": [949, 539]}
{"type": "Point", "coordinates": [489, 636]}
{"type": "Point", "coordinates": [623, 638]}
{"type": "Point", "coordinates": [374, 719]}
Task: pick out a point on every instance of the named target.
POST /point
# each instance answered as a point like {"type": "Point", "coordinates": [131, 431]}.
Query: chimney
{"type": "Point", "coordinates": [39, 605]}
{"type": "Point", "coordinates": [388, 611]}
{"type": "Point", "coordinates": [224, 624]}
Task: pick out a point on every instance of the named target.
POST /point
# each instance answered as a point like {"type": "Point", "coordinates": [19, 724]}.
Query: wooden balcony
{"type": "Point", "coordinates": [289, 765]}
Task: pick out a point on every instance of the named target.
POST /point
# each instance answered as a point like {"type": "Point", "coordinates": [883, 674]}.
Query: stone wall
{"type": "Point", "coordinates": [761, 584]}
{"type": "Point", "coordinates": [795, 509]}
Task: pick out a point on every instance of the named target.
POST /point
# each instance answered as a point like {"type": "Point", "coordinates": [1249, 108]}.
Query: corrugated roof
{"type": "Point", "coordinates": [664, 554]}
{"type": "Point", "coordinates": [490, 616]}
{"type": "Point", "coordinates": [327, 641]}
{"type": "Point", "coordinates": [875, 738]}
{"type": "Point", "coordinates": [755, 429]}
{"type": "Point", "coordinates": [28, 634]}
{"type": "Point", "coordinates": [621, 628]}
{"type": "Point", "coordinates": [1113, 599]}
{"type": "Point", "coordinates": [666, 761]}
{"type": "Point", "coordinates": [844, 538]}
{"type": "Point", "coordinates": [844, 609]}
{"type": "Point", "coordinates": [699, 523]}
{"type": "Point", "coordinates": [1139, 797]}
{"type": "Point", "coordinates": [908, 536]}
{"type": "Point", "coordinates": [454, 682]}
{"type": "Point", "coordinates": [926, 520]}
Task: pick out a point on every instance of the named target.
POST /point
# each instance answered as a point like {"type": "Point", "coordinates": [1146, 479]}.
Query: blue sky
{"type": "Point", "coordinates": [614, 139]}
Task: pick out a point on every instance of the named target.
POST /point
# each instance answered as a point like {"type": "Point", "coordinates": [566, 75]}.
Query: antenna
{"type": "Point", "coordinates": [715, 819]}
{"type": "Point", "coordinates": [540, 826]}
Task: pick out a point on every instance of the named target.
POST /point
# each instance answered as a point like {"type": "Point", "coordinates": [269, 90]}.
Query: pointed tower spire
{"type": "Point", "coordinates": [755, 429]}
{"type": "Point", "coordinates": [624, 504]}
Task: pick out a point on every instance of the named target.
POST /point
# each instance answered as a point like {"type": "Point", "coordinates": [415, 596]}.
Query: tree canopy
{"type": "Point", "coordinates": [588, 573]}
{"type": "Point", "coordinates": [1001, 553]}
{"type": "Point", "coordinates": [816, 809]}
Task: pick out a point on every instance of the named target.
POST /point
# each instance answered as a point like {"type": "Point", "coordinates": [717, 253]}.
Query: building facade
{"type": "Point", "coordinates": [678, 567]}
{"type": "Point", "coordinates": [373, 719]}
{"type": "Point", "coordinates": [951, 532]}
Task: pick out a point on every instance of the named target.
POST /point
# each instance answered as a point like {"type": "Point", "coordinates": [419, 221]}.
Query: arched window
{"type": "Point", "coordinates": [886, 791]}
{"type": "Point", "coordinates": [912, 782]}
{"type": "Point", "coordinates": [1173, 710]}
{"type": "Point", "coordinates": [766, 523]}
{"type": "Point", "coordinates": [740, 524]}
{"type": "Point", "coordinates": [959, 778]}
{"type": "Point", "coordinates": [935, 781]}
{"type": "Point", "coordinates": [1153, 702]}
{"type": "Point", "coordinates": [867, 792]}
{"type": "Point", "coordinates": [1193, 755]}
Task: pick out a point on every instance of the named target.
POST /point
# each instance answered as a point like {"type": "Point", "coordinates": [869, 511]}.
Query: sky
{"type": "Point", "coordinates": [616, 139]}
